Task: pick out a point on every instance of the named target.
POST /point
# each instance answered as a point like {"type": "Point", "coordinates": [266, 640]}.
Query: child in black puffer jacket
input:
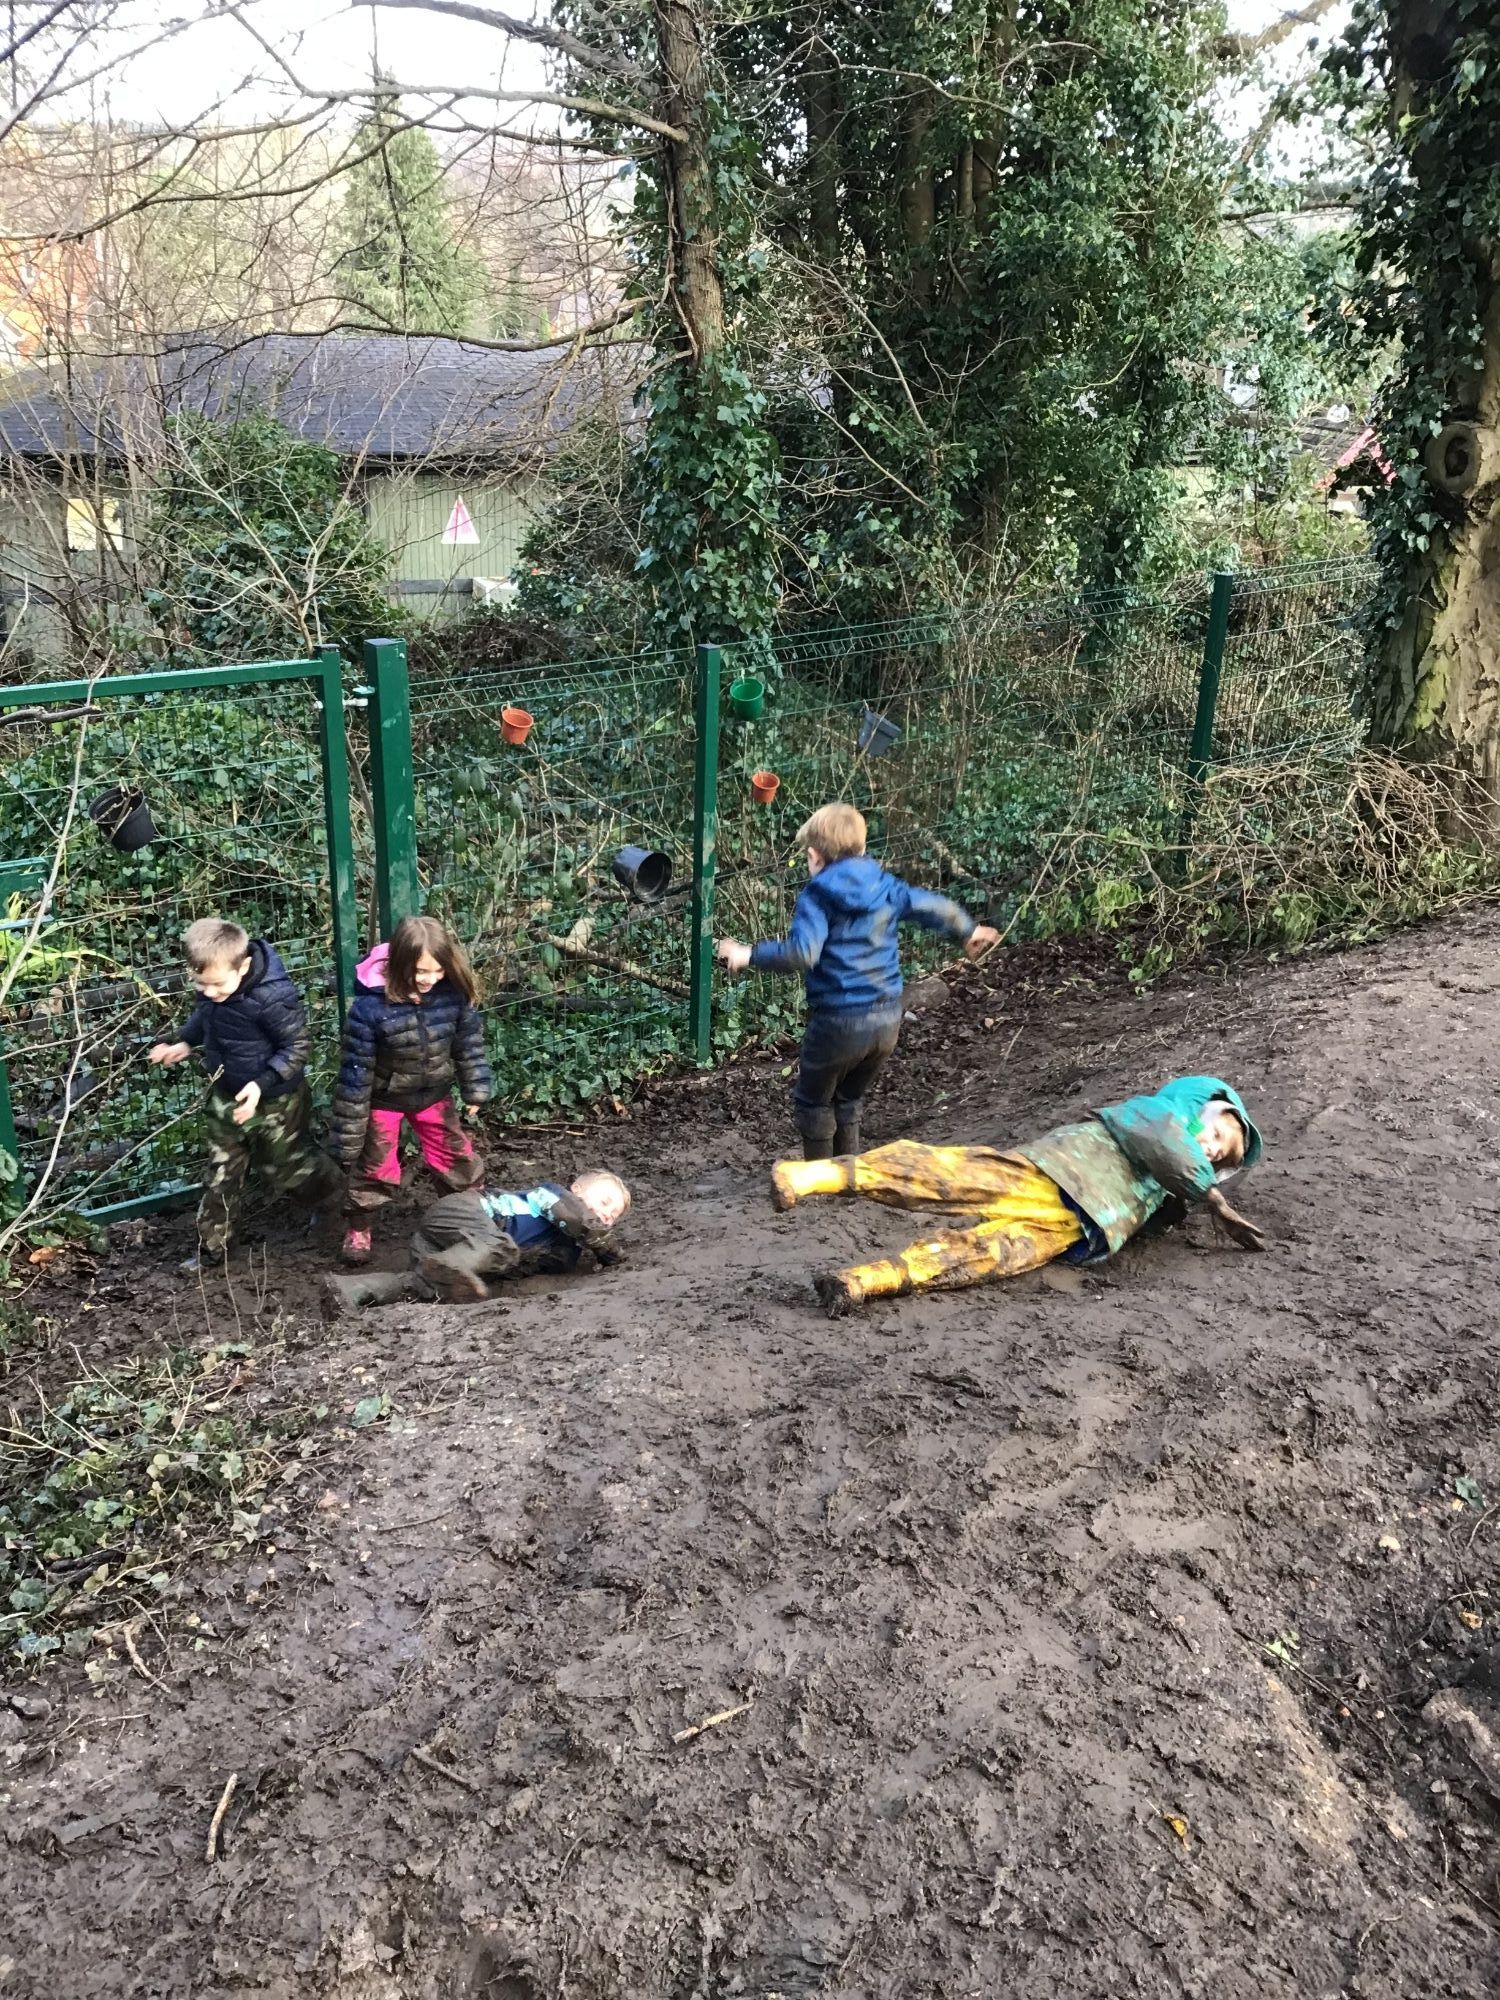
{"type": "Point", "coordinates": [250, 1028]}
{"type": "Point", "coordinates": [413, 1032]}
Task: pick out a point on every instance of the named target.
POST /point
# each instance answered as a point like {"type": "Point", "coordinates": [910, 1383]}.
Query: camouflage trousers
{"type": "Point", "coordinates": [277, 1142]}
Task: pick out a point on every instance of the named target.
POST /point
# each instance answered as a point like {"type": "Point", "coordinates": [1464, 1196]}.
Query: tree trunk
{"type": "Point", "coordinates": [1437, 691]}
{"type": "Point", "coordinates": [696, 286]}
{"type": "Point", "coordinates": [820, 109]}
{"type": "Point", "coordinates": [918, 195]}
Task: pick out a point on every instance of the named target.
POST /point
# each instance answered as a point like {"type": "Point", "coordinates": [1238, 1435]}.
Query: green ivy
{"type": "Point", "coordinates": [258, 547]}
{"type": "Point", "coordinates": [1428, 223]}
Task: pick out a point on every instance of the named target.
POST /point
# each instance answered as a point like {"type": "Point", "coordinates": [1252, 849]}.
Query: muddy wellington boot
{"type": "Point", "coordinates": [340, 1295]}
{"type": "Point", "coordinates": [839, 1293]}
{"type": "Point", "coordinates": [846, 1140]}
{"type": "Point", "coordinates": [795, 1180]}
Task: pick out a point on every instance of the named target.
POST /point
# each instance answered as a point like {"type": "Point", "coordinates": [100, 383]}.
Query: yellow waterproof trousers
{"type": "Point", "coordinates": [1019, 1219]}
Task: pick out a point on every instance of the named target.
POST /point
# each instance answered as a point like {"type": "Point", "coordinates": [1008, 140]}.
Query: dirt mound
{"type": "Point", "coordinates": [1068, 1637]}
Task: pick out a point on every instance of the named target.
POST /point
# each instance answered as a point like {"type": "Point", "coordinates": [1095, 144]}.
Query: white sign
{"type": "Point", "coordinates": [460, 528]}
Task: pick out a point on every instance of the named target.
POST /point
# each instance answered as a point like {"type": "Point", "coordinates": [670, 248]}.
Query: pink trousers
{"type": "Point", "coordinates": [446, 1148]}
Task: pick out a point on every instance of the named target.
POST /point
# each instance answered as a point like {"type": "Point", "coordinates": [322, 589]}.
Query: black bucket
{"type": "Point", "coordinates": [643, 873]}
{"type": "Point", "coordinates": [123, 817]}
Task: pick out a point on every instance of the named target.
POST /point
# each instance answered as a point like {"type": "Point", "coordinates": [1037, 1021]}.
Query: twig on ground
{"type": "Point", "coordinates": [712, 1722]}
{"type": "Point", "coordinates": [430, 1763]}
{"type": "Point", "coordinates": [212, 1853]}
{"type": "Point", "coordinates": [127, 1633]}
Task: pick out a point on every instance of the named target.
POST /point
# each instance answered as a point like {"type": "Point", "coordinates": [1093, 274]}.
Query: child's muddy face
{"type": "Point", "coordinates": [1224, 1141]}
{"type": "Point", "coordinates": [427, 974]}
{"type": "Point", "coordinates": [608, 1204]}
{"type": "Point", "coordinates": [222, 981]}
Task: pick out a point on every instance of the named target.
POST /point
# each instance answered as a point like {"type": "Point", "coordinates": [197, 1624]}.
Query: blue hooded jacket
{"type": "Point", "coordinates": [259, 1034]}
{"type": "Point", "coordinates": [843, 936]}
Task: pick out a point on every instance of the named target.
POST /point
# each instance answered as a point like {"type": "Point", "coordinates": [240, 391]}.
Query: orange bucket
{"type": "Point", "coordinates": [515, 724]}
{"type": "Point", "coordinates": [764, 786]}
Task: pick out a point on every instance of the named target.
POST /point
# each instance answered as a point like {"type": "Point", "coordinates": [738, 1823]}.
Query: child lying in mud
{"type": "Point", "coordinates": [465, 1241]}
{"type": "Point", "coordinates": [1078, 1194]}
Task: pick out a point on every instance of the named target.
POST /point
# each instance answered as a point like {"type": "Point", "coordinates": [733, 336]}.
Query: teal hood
{"type": "Point", "coordinates": [1185, 1098]}
{"type": "Point", "coordinates": [1118, 1166]}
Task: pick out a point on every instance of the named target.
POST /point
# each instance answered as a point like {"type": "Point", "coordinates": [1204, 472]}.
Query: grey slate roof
{"type": "Point", "coordinates": [387, 397]}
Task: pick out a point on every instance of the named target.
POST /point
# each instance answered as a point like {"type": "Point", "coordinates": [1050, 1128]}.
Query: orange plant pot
{"type": "Point", "coordinates": [764, 786]}
{"type": "Point", "coordinates": [515, 724]}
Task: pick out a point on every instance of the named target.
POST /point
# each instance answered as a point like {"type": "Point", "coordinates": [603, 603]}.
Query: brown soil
{"type": "Point", "coordinates": [992, 1576]}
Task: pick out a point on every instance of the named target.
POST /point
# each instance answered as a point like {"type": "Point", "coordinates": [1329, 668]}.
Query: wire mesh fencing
{"type": "Point", "coordinates": [1040, 760]}
{"type": "Point", "coordinates": [524, 831]}
{"type": "Point", "coordinates": [983, 747]}
{"type": "Point", "coordinates": [123, 817]}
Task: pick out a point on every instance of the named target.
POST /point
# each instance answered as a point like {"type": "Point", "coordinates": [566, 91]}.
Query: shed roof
{"type": "Point", "coordinates": [380, 396]}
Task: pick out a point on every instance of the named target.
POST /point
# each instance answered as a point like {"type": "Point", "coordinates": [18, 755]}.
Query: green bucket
{"type": "Point", "coordinates": [747, 698]}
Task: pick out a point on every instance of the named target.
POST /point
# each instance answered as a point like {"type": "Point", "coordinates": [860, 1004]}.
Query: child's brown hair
{"type": "Point", "coordinates": [211, 941]}
{"type": "Point", "coordinates": [836, 831]}
{"type": "Point", "coordinates": [411, 937]}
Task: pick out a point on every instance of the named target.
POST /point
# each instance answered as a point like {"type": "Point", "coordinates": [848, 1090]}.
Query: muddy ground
{"type": "Point", "coordinates": [992, 1576]}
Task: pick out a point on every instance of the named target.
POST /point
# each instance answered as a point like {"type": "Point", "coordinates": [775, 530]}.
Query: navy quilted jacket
{"type": "Point", "coordinates": [259, 1034]}
{"type": "Point", "coordinates": [402, 1055]}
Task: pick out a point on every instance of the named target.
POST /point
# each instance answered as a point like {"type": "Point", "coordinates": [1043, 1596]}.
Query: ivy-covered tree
{"type": "Point", "coordinates": [1421, 79]}
{"type": "Point", "coordinates": [940, 298]}
{"type": "Point", "coordinates": [401, 265]}
{"type": "Point", "coordinates": [255, 547]}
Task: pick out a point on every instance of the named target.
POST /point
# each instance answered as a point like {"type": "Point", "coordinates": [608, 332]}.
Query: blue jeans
{"type": "Point", "coordinates": [842, 1054]}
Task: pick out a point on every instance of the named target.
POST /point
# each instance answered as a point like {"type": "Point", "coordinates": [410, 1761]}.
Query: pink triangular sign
{"type": "Point", "coordinates": [460, 528]}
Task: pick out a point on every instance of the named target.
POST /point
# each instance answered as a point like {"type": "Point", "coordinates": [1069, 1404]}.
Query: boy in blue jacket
{"type": "Point", "coordinates": [250, 1027]}
{"type": "Point", "coordinates": [843, 942]}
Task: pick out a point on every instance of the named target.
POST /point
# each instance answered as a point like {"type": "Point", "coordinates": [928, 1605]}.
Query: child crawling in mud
{"type": "Point", "coordinates": [1078, 1194]}
{"type": "Point", "coordinates": [465, 1241]}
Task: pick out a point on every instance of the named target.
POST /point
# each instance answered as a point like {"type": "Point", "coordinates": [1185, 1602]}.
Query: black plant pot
{"type": "Point", "coordinates": [123, 817]}
{"type": "Point", "coordinates": [643, 873]}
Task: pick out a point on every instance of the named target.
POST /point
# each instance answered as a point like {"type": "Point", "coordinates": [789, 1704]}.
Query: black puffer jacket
{"type": "Point", "coordinates": [259, 1034]}
{"type": "Point", "coordinates": [402, 1055]}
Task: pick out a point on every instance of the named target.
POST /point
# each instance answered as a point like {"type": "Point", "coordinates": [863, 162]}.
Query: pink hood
{"type": "Point", "coordinates": [371, 970]}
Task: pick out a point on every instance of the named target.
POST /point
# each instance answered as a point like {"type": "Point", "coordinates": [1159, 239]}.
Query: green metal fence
{"type": "Point", "coordinates": [586, 986]}
{"type": "Point", "coordinates": [1010, 753]}
{"type": "Point", "coordinates": [244, 774]}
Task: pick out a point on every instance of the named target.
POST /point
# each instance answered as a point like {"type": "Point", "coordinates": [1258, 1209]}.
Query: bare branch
{"type": "Point", "coordinates": [1245, 48]}
{"type": "Point", "coordinates": [558, 39]}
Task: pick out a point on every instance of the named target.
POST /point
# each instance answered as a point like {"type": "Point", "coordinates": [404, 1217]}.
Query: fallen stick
{"type": "Point", "coordinates": [712, 1722]}
{"type": "Point", "coordinates": [625, 967]}
{"type": "Point", "coordinates": [430, 1763]}
{"type": "Point", "coordinates": [127, 1633]}
{"type": "Point", "coordinates": [217, 1822]}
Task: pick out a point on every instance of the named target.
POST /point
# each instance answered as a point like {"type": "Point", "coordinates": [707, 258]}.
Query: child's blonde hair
{"type": "Point", "coordinates": [836, 831]}
{"type": "Point", "coordinates": [599, 1177]}
{"type": "Point", "coordinates": [211, 941]}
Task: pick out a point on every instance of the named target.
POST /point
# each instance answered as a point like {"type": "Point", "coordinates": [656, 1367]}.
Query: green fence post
{"type": "Point", "coordinates": [397, 893]}
{"type": "Point", "coordinates": [8, 1140]}
{"type": "Point", "coordinates": [705, 850]}
{"type": "Point", "coordinates": [337, 822]}
{"type": "Point", "coordinates": [1201, 749]}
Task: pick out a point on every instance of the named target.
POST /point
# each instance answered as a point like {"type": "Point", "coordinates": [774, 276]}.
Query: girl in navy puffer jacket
{"type": "Point", "coordinates": [411, 1034]}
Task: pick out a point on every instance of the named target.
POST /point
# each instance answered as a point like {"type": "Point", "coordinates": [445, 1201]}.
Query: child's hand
{"type": "Point", "coordinates": [980, 939]}
{"type": "Point", "coordinates": [168, 1053]}
{"type": "Point", "coordinates": [246, 1102]}
{"type": "Point", "coordinates": [733, 956]}
{"type": "Point", "coordinates": [1239, 1227]}
{"type": "Point", "coordinates": [471, 1112]}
